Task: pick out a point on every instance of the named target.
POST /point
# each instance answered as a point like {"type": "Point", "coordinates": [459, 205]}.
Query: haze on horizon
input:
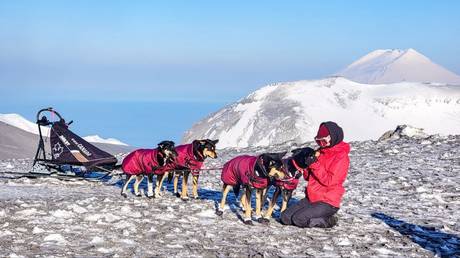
{"type": "Point", "coordinates": [204, 50]}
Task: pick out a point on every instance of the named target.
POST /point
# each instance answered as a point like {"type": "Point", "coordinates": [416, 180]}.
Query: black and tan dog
{"type": "Point", "coordinates": [190, 158]}
{"type": "Point", "coordinates": [250, 172]}
{"type": "Point", "coordinates": [294, 167]}
{"type": "Point", "coordinates": [148, 162]}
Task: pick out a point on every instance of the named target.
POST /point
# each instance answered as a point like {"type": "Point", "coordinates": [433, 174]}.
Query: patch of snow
{"type": "Point", "coordinates": [104, 250]}
{"type": "Point", "coordinates": [57, 238]}
{"type": "Point", "coordinates": [97, 138]}
{"type": "Point", "coordinates": [78, 209]}
{"type": "Point", "coordinates": [37, 230]}
{"type": "Point", "coordinates": [62, 214]}
{"type": "Point", "coordinates": [94, 217]}
{"type": "Point", "coordinates": [26, 212]}
{"type": "Point", "coordinates": [13, 255]}
{"type": "Point", "coordinates": [207, 214]}
{"type": "Point", "coordinates": [97, 240]}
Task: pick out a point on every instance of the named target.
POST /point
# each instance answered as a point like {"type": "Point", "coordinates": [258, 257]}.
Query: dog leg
{"type": "Point", "coordinates": [125, 186]}
{"type": "Point", "coordinates": [184, 194]}
{"type": "Point", "coordinates": [258, 217]}
{"type": "Point", "coordinates": [264, 196]}
{"type": "Point", "coordinates": [243, 200]}
{"type": "Point", "coordinates": [271, 206]}
{"type": "Point", "coordinates": [175, 183]}
{"type": "Point", "coordinates": [150, 186]}
{"type": "Point", "coordinates": [195, 186]}
{"type": "Point", "coordinates": [247, 208]}
{"type": "Point", "coordinates": [286, 197]}
{"type": "Point", "coordinates": [160, 184]}
{"type": "Point", "coordinates": [225, 190]}
{"type": "Point", "coordinates": [157, 186]}
{"type": "Point", "coordinates": [136, 185]}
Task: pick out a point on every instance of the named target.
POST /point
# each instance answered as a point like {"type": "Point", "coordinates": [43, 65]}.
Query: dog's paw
{"type": "Point", "coordinates": [124, 195]}
{"type": "Point", "coordinates": [248, 222]}
{"type": "Point", "coordinates": [196, 197]}
{"type": "Point", "coordinates": [264, 221]}
{"type": "Point", "coordinates": [138, 194]}
{"type": "Point", "coordinates": [151, 196]}
{"type": "Point", "coordinates": [219, 212]}
{"type": "Point", "coordinates": [185, 199]}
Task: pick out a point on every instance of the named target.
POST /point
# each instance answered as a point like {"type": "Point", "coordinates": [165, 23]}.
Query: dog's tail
{"type": "Point", "coordinates": [236, 190]}
{"type": "Point", "coordinates": [170, 176]}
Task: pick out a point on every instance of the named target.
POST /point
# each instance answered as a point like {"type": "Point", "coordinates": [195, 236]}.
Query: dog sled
{"type": "Point", "coordinates": [64, 153]}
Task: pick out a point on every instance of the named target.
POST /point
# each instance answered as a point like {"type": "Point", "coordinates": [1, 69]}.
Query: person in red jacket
{"type": "Point", "coordinates": [327, 171]}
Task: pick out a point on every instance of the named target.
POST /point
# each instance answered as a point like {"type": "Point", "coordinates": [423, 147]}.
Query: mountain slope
{"type": "Point", "coordinates": [390, 66]}
{"type": "Point", "coordinates": [28, 126]}
{"type": "Point", "coordinates": [16, 143]}
{"type": "Point", "coordinates": [292, 111]}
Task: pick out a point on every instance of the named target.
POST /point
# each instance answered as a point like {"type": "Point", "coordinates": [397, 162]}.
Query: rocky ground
{"type": "Point", "coordinates": [413, 180]}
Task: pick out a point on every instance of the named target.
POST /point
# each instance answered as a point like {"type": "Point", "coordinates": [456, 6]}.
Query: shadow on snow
{"type": "Point", "coordinates": [440, 243]}
{"type": "Point", "coordinates": [204, 194]}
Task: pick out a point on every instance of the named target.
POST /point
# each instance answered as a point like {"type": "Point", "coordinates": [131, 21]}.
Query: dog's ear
{"type": "Point", "coordinates": [307, 151]}
{"type": "Point", "coordinates": [280, 155]}
{"type": "Point", "coordinates": [296, 151]}
{"type": "Point", "coordinates": [276, 156]}
{"type": "Point", "coordinates": [166, 144]}
{"type": "Point", "coordinates": [214, 142]}
{"type": "Point", "coordinates": [162, 144]}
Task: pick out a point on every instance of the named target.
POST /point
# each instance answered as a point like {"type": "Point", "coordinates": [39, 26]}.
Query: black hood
{"type": "Point", "coordinates": [335, 131]}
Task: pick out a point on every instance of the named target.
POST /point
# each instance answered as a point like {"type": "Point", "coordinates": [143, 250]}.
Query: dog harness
{"type": "Point", "coordinates": [143, 161]}
{"type": "Point", "coordinates": [290, 181]}
{"type": "Point", "coordinates": [186, 159]}
{"type": "Point", "coordinates": [241, 171]}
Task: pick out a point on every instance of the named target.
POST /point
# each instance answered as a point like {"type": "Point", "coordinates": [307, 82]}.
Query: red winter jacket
{"type": "Point", "coordinates": [186, 159]}
{"type": "Point", "coordinates": [327, 175]}
{"type": "Point", "coordinates": [143, 161]}
{"type": "Point", "coordinates": [241, 171]}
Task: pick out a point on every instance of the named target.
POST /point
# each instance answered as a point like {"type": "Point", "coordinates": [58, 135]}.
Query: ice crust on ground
{"type": "Point", "coordinates": [407, 178]}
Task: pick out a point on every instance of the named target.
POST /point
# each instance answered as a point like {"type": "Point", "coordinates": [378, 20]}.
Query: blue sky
{"type": "Point", "coordinates": [201, 51]}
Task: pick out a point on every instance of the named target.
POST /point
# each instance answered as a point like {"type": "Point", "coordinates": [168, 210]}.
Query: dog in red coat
{"type": "Point", "coordinates": [250, 172]}
{"type": "Point", "coordinates": [294, 167]}
{"type": "Point", "coordinates": [190, 159]}
{"type": "Point", "coordinates": [149, 162]}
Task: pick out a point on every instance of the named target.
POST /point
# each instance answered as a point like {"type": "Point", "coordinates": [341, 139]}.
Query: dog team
{"type": "Point", "coordinates": [324, 169]}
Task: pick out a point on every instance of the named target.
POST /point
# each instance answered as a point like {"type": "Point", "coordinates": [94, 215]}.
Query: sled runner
{"type": "Point", "coordinates": [66, 150]}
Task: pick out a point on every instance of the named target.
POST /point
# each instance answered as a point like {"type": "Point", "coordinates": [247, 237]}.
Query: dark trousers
{"type": "Point", "coordinates": [307, 214]}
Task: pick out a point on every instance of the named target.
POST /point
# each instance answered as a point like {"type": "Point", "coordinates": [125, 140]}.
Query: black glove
{"type": "Point", "coordinates": [310, 159]}
{"type": "Point", "coordinates": [298, 174]}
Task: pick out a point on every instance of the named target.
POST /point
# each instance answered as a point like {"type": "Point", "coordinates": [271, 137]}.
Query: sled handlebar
{"type": "Point", "coordinates": [51, 110]}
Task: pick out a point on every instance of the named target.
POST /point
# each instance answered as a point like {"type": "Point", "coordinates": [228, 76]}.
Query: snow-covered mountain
{"type": "Point", "coordinates": [292, 112]}
{"type": "Point", "coordinates": [22, 123]}
{"type": "Point", "coordinates": [97, 138]}
{"type": "Point", "coordinates": [395, 65]}
{"type": "Point", "coordinates": [28, 126]}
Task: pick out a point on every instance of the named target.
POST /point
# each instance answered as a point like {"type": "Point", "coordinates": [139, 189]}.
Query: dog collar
{"type": "Point", "coordinates": [297, 166]}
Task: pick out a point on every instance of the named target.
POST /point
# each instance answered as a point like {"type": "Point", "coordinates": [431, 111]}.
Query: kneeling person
{"type": "Point", "coordinates": [326, 173]}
